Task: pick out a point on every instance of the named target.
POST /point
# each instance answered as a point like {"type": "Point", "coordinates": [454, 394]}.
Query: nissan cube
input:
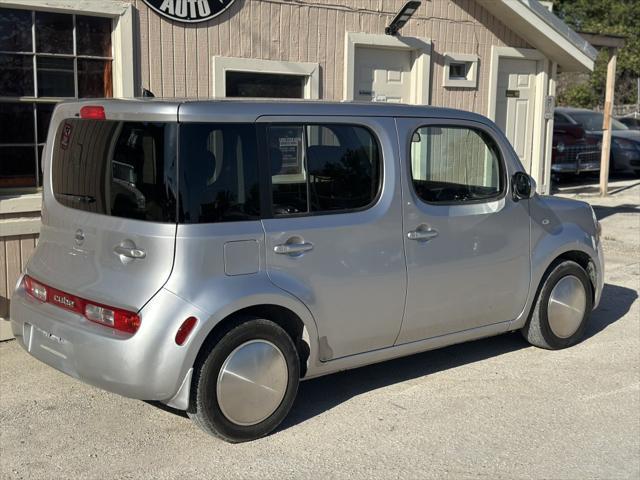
{"type": "Point", "coordinates": [210, 255]}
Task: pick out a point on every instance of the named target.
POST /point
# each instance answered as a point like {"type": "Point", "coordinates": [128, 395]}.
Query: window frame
{"type": "Point", "coordinates": [470, 80]}
{"type": "Point", "coordinates": [36, 99]}
{"type": "Point", "coordinates": [470, 125]}
{"type": "Point", "coordinates": [122, 15]}
{"type": "Point", "coordinates": [220, 65]}
{"type": "Point", "coordinates": [266, 177]}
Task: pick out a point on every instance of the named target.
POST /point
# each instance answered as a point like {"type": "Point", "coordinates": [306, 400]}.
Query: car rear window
{"type": "Point", "coordinates": [120, 169]}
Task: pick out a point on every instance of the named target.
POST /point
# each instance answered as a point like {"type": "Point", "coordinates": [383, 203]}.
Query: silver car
{"type": "Point", "coordinates": [210, 255]}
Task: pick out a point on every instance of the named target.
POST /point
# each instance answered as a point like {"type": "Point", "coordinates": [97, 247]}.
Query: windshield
{"type": "Point", "coordinates": [593, 121]}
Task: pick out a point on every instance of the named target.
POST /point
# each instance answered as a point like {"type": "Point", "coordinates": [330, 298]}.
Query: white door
{"type": "Point", "coordinates": [515, 105]}
{"type": "Point", "coordinates": [382, 75]}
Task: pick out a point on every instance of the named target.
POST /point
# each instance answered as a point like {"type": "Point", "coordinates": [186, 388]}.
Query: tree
{"type": "Point", "coordinates": [617, 17]}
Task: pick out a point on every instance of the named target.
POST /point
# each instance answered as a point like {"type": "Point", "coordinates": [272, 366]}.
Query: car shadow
{"type": "Point", "coordinates": [604, 212]}
{"type": "Point", "coordinates": [614, 304]}
{"type": "Point", "coordinates": [322, 394]}
{"type": "Point", "coordinates": [319, 395]}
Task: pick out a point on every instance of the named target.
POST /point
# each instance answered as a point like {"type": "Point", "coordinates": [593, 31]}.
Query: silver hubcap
{"type": "Point", "coordinates": [252, 382]}
{"type": "Point", "coordinates": [567, 304]}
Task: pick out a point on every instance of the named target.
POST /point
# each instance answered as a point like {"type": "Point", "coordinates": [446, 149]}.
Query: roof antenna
{"type": "Point", "coordinates": [147, 93]}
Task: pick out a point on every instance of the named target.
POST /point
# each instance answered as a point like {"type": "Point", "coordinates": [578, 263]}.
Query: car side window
{"type": "Point", "coordinates": [218, 173]}
{"type": "Point", "coordinates": [322, 168]}
{"type": "Point", "coordinates": [455, 164]}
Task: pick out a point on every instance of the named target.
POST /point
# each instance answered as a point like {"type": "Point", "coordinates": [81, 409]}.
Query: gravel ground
{"type": "Point", "coordinates": [494, 408]}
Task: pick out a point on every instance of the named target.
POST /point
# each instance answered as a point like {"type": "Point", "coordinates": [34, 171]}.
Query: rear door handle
{"type": "Point", "coordinates": [130, 252]}
{"type": "Point", "coordinates": [423, 235]}
{"type": "Point", "coordinates": [293, 248]}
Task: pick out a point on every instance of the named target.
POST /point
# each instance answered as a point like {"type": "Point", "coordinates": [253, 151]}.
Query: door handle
{"type": "Point", "coordinates": [424, 235]}
{"type": "Point", "coordinates": [293, 248]}
{"type": "Point", "coordinates": [130, 252]}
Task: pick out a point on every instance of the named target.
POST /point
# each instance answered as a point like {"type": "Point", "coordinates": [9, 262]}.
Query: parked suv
{"type": "Point", "coordinates": [210, 255]}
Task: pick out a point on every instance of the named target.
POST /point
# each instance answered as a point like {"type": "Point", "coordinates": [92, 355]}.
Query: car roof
{"type": "Point", "coordinates": [293, 107]}
{"type": "Point", "coordinates": [574, 109]}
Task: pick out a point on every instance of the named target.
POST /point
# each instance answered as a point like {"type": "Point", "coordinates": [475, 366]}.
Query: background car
{"type": "Point", "coordinates": [632, 122]}
{"type": "Point", "coordinates": [625, 143]}
{"type": "Point", "coordinates": [573, 151]}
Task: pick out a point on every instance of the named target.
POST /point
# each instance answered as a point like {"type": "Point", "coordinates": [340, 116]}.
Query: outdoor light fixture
{"type": "Point", "coordinates": [402, 17]}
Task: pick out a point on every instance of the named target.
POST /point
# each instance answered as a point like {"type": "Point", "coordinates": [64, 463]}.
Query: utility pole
{"type": "Point", "coordinates": [606, 122]}
{"type": "Point", "coordinates": [612, 43]}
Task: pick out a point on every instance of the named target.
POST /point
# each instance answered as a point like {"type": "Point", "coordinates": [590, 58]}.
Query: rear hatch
{"type": "Point", "coordinates": [109, 213]}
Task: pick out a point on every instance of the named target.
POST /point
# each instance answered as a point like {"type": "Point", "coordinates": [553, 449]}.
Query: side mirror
{"type": "Point", "coordinates": [523, 186]}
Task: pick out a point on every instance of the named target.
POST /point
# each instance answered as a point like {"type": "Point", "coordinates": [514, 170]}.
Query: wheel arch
{"type": "Point", "coordinates": [281, 308]}
{"type": "Point", "coordinates": [585, 261]}
{"type": "Point", "coordinates": [286, 318]}
{"type": "Point", "coordinates": [575, 251]}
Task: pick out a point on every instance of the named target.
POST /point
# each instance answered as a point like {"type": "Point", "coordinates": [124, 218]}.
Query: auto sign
{"type": "Point", "coordinates": [191, 11]}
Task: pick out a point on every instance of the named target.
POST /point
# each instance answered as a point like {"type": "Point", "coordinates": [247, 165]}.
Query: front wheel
{"type": "Point", "coordinates": [246, 384]}
{"type": "Point", "coordinates": [562, 307]}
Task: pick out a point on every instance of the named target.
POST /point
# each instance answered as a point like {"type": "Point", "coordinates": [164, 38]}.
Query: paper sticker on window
{"type": "Point", "coordinates": [65, 138]}
{"type": "Point", "coordinates": [290, 149]}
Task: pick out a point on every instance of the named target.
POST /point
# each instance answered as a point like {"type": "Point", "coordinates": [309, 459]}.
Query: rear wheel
{"type": "Point", "coordinates": [246, 383]}
{"type": "Point", "coordinates": [562, 308]}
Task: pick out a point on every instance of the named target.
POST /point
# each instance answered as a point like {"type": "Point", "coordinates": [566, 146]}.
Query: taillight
{"type": "Point", "coordinates": [116, 318]}
{"type": "Point", "coordinates": [112, 317]}
{"type": "Point", "coordinates": [185, 329]}
{"type": "Point", "coordinates": [92, 112]}
{"type": "Point", "coordinates": [35, 289]}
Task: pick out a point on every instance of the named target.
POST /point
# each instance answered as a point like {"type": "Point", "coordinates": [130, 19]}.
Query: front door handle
{"type": "Point", "coordinates": [293, 248]}
{"type": "Point", "coordinates": [130, 252]}
{"type": "Point", "coordinates": [422, 235]}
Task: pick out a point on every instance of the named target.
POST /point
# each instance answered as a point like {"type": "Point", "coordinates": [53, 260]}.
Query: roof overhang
{"type": "Point", "coordinates": [546, 32]}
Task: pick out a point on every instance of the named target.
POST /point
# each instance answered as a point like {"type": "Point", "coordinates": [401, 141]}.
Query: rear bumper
{"type": "Point", "coordinates": [147, 366]}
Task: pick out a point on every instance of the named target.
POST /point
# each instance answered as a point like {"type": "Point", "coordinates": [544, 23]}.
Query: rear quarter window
{"type": "Point", "coordinates": [120, 169]}
{"type": "Point", "coordinates": [219, 179]}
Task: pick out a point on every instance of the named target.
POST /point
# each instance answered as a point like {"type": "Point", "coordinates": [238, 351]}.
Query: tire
{"type": "Point", "coordinates": [553, 325]}
{"type": "Point", "coordinates": [218, 384]}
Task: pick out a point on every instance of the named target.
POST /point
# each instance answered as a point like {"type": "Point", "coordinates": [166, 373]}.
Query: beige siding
{"type": "Point", "coordinates": [176, 59]}
{"type": "Point", "coordinates": [14, 254]}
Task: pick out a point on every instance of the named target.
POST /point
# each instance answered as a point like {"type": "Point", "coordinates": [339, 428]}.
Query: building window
{"type": "Point", "coordinates": [460, 70]}
{"type": "Point", "coordinates": [45, 57]}
{"type": "Point", "coordinates": [273, 85]}
{"type": "Point", "coordinates": [251, 77]}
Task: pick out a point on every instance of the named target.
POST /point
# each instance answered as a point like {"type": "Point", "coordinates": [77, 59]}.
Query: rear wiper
{"type": "Point", "coordinates": [79, 198]}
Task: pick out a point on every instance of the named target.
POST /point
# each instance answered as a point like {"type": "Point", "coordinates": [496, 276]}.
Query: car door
{"type": "Point", "coordinates": [334, 236]}
{"type": "Point", "coordinates": [466, 239]}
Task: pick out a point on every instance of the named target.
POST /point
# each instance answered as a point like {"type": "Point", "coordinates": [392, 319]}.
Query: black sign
{"type": "Point", "coordinates": [191, 11]}
{"type": "Point", "coordinates": [513, 94]}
